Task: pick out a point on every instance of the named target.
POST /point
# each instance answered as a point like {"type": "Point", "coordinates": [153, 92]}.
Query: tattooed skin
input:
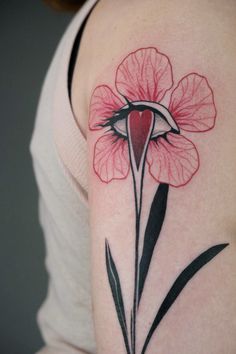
{"type": "Point", "coordinates": [140, 133]}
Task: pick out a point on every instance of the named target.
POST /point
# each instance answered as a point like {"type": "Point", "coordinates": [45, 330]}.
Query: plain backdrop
{"type": "Point", "coordinates": [29, 34]}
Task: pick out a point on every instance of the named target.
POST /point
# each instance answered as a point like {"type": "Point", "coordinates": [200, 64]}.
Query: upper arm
{"type": "Point", "coordinates": [172, 155]}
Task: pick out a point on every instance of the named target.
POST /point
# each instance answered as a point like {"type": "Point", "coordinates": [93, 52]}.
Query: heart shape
{"type": "Point", "coordinates": [139, 129]}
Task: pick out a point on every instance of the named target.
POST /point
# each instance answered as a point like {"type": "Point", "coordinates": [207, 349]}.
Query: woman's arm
{"type": "Point", "coordinates": [162, 172]}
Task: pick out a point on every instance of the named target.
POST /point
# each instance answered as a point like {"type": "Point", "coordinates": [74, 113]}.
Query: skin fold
{"type": "Point", "coordinates": [198, 37]}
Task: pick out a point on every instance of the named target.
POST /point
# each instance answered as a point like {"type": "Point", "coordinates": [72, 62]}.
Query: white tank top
{"type": "Point", "coordinates": [59, 153]}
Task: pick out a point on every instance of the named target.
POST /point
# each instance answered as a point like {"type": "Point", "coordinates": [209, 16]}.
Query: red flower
{"type": "Point", "coordinates": [142, 80]}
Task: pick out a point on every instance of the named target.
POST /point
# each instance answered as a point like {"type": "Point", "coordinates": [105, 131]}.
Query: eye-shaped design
{"type": "Point", "coordinates": [163, 121]}
{"type": "Point", "coordinates": [120, 126]}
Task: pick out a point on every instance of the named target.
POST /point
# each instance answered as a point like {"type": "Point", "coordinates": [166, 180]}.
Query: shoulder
{"type": "Point", "coordinates": [187, 34]}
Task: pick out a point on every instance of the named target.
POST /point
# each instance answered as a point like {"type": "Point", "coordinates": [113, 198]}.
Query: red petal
{"type": "Point", "coordinates": [102, 106]}
{"type": "Point", "coordinates": [192, 104]}
{"type": "Point", "coordinates": [111, 158]}
{"type": "Point", "coordinates": [173, 160]}
{"type": "Point", "coordinates": [144, 75]}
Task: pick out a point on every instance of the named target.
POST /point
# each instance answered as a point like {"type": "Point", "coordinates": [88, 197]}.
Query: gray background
{"type": "Point", "coordinates": [29, 33]}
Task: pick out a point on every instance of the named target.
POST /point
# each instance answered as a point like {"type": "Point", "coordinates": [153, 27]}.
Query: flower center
{"type": "Point", "coordinates": [163, 121]}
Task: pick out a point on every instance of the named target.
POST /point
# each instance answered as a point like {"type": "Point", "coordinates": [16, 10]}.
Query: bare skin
{"type": "Point", "coordinates": [197, 37]}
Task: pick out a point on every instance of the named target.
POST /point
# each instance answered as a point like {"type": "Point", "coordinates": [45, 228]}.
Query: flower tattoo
{"type": "Point", "coordinates": [142, 126]}
{"type": "Point", "coordinates": [142, 81]}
